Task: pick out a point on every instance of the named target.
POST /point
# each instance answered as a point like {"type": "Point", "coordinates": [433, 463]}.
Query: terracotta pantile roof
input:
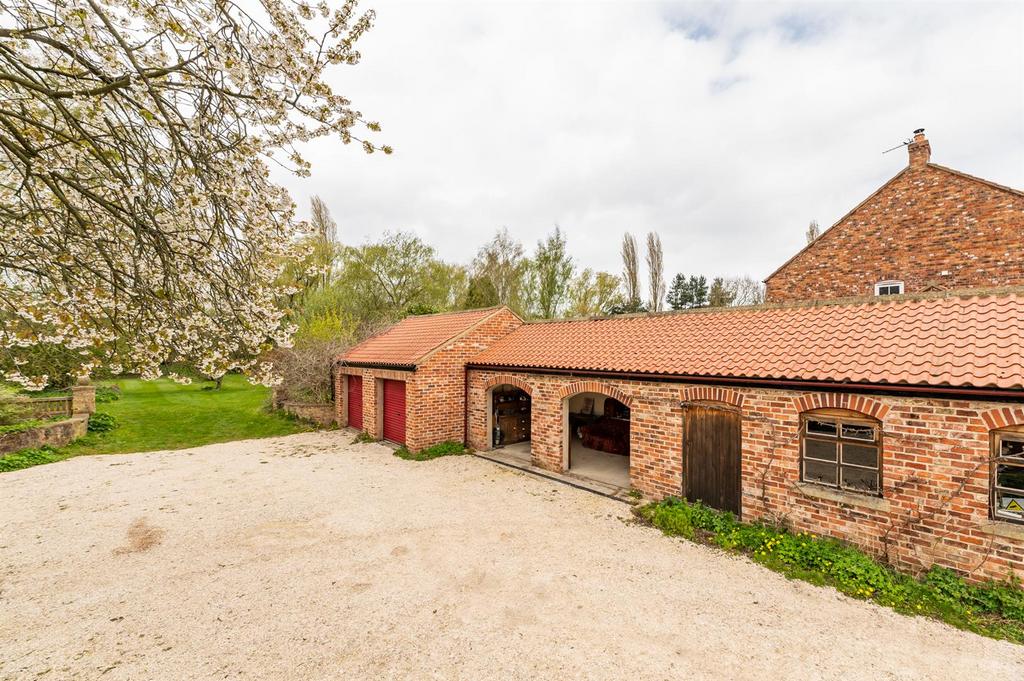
{"type": "Point", "coordinates": [973, 341]}
{"type": "Point", "coordinates": [410, 340]}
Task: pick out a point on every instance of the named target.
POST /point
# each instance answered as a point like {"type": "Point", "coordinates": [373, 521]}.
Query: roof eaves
{"type": "Point", "coordinates": [755, 381]}
{"type": "Point", "coordinates": [377, 365]}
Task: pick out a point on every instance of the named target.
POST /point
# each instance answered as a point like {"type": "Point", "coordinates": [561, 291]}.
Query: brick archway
{"type": "Point", "coordinates": [857, 403]}
{"type": "Point", "coordinates": [595, 387]}
{"type": "Point", "coordinates": [509, 379]}
{"type": "Point", "coordinates": [709, 393]}
{"type": "Point", "coordinates": [1003, 417]}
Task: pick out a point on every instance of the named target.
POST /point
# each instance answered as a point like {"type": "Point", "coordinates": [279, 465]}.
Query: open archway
{"type": "Point", "coordinates": [596, 433]}
{"type": "Point", "coordinates": [510, 420]}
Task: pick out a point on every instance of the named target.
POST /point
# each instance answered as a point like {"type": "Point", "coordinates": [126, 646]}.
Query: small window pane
{"type": "Point", "coordinates": [1010, 505]}
{"type": "Point", "coordinates": [1014, 448]}
{"type": "Point", "coordinates": [860, 455]}
{"type": "Point", "coordinates": [818, 449]}
{"type": "Point", "coordinates": [889, 288]}
{"type": "Point", "coordinates": [857, 431]}
{"type": "Point", "coordinates": [860, 479]}
{"type": "Point", "coordinates": [817, 471]}
{"type": "Point", "coordinates": [821, 427]}
{"type": "Point", "coordinates": [1010, 476]}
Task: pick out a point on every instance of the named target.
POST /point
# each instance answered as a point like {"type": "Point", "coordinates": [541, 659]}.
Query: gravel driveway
{"type": "Point", "coordinates": [307, 557]}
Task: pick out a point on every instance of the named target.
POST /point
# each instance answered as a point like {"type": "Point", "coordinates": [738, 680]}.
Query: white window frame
{"type": "Point", "coordinates": [995, 489]}
{"type": "Point", "coordinates": [888, 283]}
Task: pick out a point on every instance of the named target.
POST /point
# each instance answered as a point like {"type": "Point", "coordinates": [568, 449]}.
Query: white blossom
{"type": "Point", "coordinates": [138, 223]}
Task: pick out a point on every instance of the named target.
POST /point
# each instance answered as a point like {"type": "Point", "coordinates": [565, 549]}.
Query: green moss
{"type": "Point", "coordinates": [363, 437]}
{"type": "Point", "coordinates": [450, 448]}
{"type": "Point", "coordinates": [993, 609]}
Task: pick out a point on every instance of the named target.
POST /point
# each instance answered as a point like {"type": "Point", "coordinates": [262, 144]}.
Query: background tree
{"type": "Point", "coordinates": [503, 262]}
{"type": "Point", "coordinates": [480, 293]}
{"type": "Point", "coordinates": [630, 273]}
{"type": "Point", "coordinates": [593, 294]}
{"type": "Point", "coordinates": [552, 272]}
{"type": "Point", "coordinates": [698, 290]}
{"type": "Point", "coordinates": [680, 295]}
{"type": "Point", "coordinates": [385, 280]}
{"type": "Point", "coordinates": [720, 294]}
{"type": "Point", "coordinates": [745, 291]}
{"type": "Point", "coordinates": [320, 252]}
{"type": "Point", "coordinates": [655, 272]}
{"type": "Point", "coordinates": [138, 224]}
{"type": "Point", "coordinates": [813, 232]}
{"type": "Point", "coordinates": [325, 235]}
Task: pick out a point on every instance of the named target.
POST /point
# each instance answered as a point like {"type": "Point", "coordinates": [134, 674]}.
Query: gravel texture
{"type": "Point", "coordinates": [308, 557]}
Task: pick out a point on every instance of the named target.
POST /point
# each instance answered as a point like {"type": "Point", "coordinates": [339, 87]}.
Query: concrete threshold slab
{"type": "Point", "coordinates": [577, 481]}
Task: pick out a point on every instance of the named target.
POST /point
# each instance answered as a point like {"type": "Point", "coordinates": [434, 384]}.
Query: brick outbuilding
{"type": "Point", "coordinates": [895, 424]}
{"type": "Point", "coordinates": [929, 228]}
{"type": "Point", "coordinates": [408, 383]}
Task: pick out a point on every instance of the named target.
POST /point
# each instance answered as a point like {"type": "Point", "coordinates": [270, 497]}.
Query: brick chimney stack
{"type": "Point", "coordinates": [920, 151]}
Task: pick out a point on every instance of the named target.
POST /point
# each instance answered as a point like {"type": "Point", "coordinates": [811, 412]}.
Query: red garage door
{"type": "Point", "coordinates": [355, 401]}
{"type": "Point", "coordinates": [394, 411]}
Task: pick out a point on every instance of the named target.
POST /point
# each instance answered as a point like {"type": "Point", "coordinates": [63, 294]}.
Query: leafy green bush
{"type": "Point", "coordinates": [363, 437]}
{"type": "Point", "coordinates": [28, 457]}
{"type": "Point", "coordinates": [449, 448]}
{"type": "Point", "coordinates": [994, 608]}
{"type": "Point", "coordinates": [107, 393]}
{"type": "Point", "coordinates": [20, 427]}
{"type": "Point", "coordinates": [101, 422]}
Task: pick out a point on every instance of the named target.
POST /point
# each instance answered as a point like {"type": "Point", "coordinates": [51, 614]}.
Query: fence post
{"type": "Point", "coordinates": [83, 397]}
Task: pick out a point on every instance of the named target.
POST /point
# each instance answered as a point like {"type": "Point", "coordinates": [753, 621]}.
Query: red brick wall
{"type": "Point", "coordinates": [434, 393]}
{"type": "Point", "coordinates": [371, 412]}
{"type": "Point", "coordinates": [924, 222]}
{"type": "Point", "coordinates": [935, 467]}
{"type": "Point", "coordinates": [435, 400]}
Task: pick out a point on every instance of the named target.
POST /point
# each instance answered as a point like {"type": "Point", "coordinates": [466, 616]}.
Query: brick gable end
{"type": "Point", "coordinates": [929, 227]}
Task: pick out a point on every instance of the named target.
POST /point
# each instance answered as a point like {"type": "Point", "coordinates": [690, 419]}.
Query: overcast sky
{"type": "Point", "coordinates": [724, 127]}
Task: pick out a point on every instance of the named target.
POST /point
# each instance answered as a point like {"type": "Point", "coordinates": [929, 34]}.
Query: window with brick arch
{"type": "Point", "coordinates": [1007, 475]}
{"type": "Point", "coordinates": [842, 450]}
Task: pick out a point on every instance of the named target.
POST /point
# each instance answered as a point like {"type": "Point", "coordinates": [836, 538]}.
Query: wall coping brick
{"type": "Point", "coordinates": [858, 403]}
{"type": "Point", "coordinates": [595, 387]}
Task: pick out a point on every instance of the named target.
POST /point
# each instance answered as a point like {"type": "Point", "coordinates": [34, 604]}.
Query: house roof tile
{"type": "Point", "coordinates": [974, 341]}
{"type": "Point", "coordinates": [409, 341]}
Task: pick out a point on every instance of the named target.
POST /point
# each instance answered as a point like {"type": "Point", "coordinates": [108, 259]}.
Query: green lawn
{"type": "Point", "coordinates": [162, 414]}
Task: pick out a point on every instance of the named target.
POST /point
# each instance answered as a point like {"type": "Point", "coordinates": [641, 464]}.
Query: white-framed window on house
{"type": "Point", "coordinates": [841, 451]}
{"type": "Point", "coordinates": [1007, 478]}
{"type": "Point", "coordinates": [889, 288]}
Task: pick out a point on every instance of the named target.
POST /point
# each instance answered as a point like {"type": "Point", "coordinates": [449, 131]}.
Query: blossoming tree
{"type": "Point", "coordinates": [138, 224]}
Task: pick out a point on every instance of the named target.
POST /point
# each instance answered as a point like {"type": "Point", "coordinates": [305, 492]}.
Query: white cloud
{"type": "Point", "coordinates": [726, 128]}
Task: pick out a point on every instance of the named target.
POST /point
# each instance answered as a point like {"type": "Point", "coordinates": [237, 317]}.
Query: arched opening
{"type": "Point", "coordinates": [509, 421]}
{"type": "Point", "coordinates": [596, 438]}
{"type": "Point", "coordinates": [842, 449]}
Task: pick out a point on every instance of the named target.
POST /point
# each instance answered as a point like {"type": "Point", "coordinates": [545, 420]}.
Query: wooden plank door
{"type": "Point", "coordinates": [394, 411]}
{"type": "Point", "coordinates": [712, 443]}
{"type": "Point", "coordinates": [355, 402]}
